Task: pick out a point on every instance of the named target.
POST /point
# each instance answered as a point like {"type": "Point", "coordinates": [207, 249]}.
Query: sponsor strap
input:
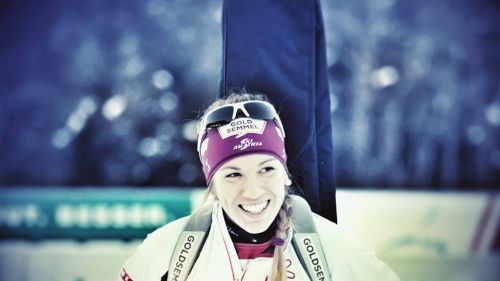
{"type": "Point", "coordinates": [311, 255]}
{"type": "Point", "coordinates": [185, 255]}
{"type": "Point", "coordinates": [305, 242]}
{"type": "Point", "coordinates": [242, 126]}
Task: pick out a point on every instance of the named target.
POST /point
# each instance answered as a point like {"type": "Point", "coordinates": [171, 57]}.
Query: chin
{"type": "Point", "coordinates": [257, 228]}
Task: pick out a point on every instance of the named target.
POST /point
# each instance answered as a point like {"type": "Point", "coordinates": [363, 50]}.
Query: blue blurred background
{"type": "Point", "coordinates": [107, 92]}
{"type": "Point", "coordinates": [98, 109]}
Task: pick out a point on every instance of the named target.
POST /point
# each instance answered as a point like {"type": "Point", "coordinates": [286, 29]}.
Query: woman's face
{"type": "Point", "coordinates": [251, 190]}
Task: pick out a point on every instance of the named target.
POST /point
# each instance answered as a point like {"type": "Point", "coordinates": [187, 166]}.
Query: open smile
{"type": "Point", "coordinates": [255, 208]}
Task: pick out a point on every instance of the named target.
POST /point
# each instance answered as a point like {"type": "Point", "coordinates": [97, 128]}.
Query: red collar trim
{"type": "Point", "coordinates": [249, 251]}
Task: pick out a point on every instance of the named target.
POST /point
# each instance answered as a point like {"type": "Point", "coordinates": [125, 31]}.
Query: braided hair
{"type": "Point", "coordinates": [284, 223]}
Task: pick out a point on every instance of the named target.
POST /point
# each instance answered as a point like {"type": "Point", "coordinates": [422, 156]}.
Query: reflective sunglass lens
{"type": "Point", "coordinates": [260, 110]}
{"type": "Point", "coordinates": [216, 124]}
{"type": "Point", "coordinates": [219, 117]}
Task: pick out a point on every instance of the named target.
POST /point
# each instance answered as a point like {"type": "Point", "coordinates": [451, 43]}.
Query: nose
{"type": "Point", "coordinates": [252, 188]}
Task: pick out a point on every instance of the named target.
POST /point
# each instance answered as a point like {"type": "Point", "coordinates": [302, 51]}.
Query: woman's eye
{"type": "Point", "coordinates": [233, 175]}
{"type": "Point", "coordinates": [267, 169]}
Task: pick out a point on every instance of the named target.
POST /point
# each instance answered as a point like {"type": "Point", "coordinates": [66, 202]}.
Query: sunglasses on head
{"type": "Point", "coordinates": [223, 115]}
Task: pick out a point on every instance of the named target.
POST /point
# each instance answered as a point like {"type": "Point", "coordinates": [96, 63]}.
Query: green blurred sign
{"type": "Point", "coordinates": [89, 213]}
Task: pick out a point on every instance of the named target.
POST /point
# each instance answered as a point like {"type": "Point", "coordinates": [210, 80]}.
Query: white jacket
{"type": "Point", "coordinates": [219, 261]}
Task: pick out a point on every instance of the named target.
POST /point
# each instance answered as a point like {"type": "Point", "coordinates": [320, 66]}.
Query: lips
{"type": "Point", "coordinates": [255, 208]}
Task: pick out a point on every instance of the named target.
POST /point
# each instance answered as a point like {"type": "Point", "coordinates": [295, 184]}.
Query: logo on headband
{"type": "Point", "coordinates": [246, 143]}
{"type": "Point", "coordinates": [242, 126]}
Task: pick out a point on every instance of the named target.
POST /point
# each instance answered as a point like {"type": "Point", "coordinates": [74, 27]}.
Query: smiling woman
{"type": "Point", "coordinates": [250, 190]}
{"type": "Point", "coordinates": [254, 230]}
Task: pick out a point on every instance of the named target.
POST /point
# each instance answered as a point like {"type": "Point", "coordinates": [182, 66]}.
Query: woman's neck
{"type": "Point", "coordinates": [239, 235]}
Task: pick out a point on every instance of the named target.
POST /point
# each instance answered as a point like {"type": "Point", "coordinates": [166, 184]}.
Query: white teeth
{"type": "Point", "coordinates": [255, 208]}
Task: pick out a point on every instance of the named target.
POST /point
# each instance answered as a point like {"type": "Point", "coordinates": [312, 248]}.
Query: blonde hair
{"type": "Point", "coordinates": [283, 225]}
{"type": "Point", "coordinates": [283, 222]}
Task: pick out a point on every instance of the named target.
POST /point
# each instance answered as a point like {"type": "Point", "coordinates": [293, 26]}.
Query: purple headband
{"type": "Point", "coordinates": [241, 136]}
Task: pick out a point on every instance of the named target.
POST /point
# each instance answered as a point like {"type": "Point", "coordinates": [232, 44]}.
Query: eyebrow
{"type": "Point", "coordinates": [268, 160]}
{"type": "Point", "coordinates": [232, 168]}
{"type": "Point", "coordinates": [260, 164]}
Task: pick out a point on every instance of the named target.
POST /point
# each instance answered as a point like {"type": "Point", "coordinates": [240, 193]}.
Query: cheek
{"type": "Point", "coordinates": [278, 182]}
{"type": "Point", "coordinates": [217, 191]}
{"type": "Point", "coordinates": [224, 193]}
{"type": "Point", "coordinates": [281, 191]}
{"type": "Point", "coordinates": [217, 186]}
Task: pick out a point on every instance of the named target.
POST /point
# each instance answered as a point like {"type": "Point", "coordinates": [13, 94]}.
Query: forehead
{"type": "Point", "coordinates": [249, 161]}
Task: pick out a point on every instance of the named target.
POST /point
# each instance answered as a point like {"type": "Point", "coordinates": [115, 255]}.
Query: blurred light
{"type": "Point", "coordinates": [188, 173]}
{"type": "Point", "coordinates": [82, 217]}
{"type": "Point", "coordinates": [100, 215]}
{"type": "Point", "coordinates": [442, 102]}
{"type": "Point", "coordinates": [380, 28]}
{"type": "Point", "coordinates": [476, 134]}
{"type": "Point", "coordinates": [129, 44]}
{"type": "Point", "coordinates": [157, 215]}
{"type": "Point", "coordinates": [364, 67]}
{"type": "Point", "coordinates": [119, 213]}
{"type": "Point", "coordinates": [217, 14]}
{"type": "Point", "coordinates": [169, 101]}
{"type": "Point", "coordinates": [141, 172]}
{"type": "Point", "coordinates": [14, 217]}
{"type": "Point", "coordinates": [493, 114]}
{"type": "Point", "coordinates": [134, 67]}
{"type": "Point", "coordinates": [166, 130]}
{"type": "Point", "coordinates": [78, 118]}
{"type": "Point", "coordinates": [418, 66]}
{"type": "Point", "coordinates": [334, 102]}
{"type": "Point", "coordinates": [113, 215]}
{"type": "Point", "coordinates": [130, 89]}
{"type": "Point", "coordinates": [156, 7]}
{"type": "Point", "coordinates": [88, 61]}
{"type": "Point", "coordinates": [384, 77]}
{"type": "Point", "coordinates": [32, 215]}
{"type": "Point", "coordinates": [136, 214]}
{"type": "Point", "coordinates": [190, 131]}
{"type": "Point", "coordinates": [425, 45]}
{"type": "Point", "coordinates": [76, 122]}
{"type": "Point", "coordinates": [166, 144]}
{"type": "Point", "coordinates": [162, 79]}
{"type": "Point", "coordinates": [114, 107]}
{"type": "Point", "coordinates": [87, 106]}
{"type": "Point", "coordinates": [149, 147]}
{"type": "Point", "coordinates": [64, 216]}
{"type": "Point", "coordinates": [186, 35]}
{"type": "Point", "coordinates": [61, 138]}
{"type": "Point", "coordinates": [383, 4]}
